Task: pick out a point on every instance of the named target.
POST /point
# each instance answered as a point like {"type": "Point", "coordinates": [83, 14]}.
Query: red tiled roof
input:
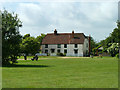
{"type": "Point", "coordinates": [64, 38]}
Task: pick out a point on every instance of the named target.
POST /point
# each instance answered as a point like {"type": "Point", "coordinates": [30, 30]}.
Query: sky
{"type": "Point", "coordinates": [97, 19]}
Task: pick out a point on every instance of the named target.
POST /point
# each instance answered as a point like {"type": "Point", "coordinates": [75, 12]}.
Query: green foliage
{"type": "Point", "coordinates": [40, 38]}
{"type": "Point", "coordinates": [105, 43]}
{"type": "Point", "coordinates": [113, 49]}
{"type": "Point", "coordinates": [97, 47]}
{"type": "Point", "coordinates": [61, 54]}
{"type": "Point", "coordinates": [116, 33]}
{"type": "Point", "coordinates": [25, 36]}
{"type": "Point", "coordinates": [10, 36]}
{"type": "Point", "coordinates": [117, 55]}
{"type": "Point", "coordinates": [114, 37]}
{"type": "Point", "coordinates": [30, 45]}
{"type": "Point", "coordinates": [93, 43]}
{"type": "Point", "coordinates": [94, 49]}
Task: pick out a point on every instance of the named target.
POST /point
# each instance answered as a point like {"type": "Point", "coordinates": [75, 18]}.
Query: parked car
{"type": "Point", "coordinates": [41, 54]}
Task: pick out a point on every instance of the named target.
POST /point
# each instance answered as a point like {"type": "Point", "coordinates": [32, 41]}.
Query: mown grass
{"type": "Point", "coordinates": [57, 72]}
{"type": "Point", "coordinates": [29, 57]}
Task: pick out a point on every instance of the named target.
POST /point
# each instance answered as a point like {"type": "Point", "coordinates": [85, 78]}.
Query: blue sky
{"type": "Point", "coordinates": [97, 19]}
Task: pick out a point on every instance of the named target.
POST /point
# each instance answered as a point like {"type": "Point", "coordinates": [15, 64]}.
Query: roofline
{"type": "Point", "coordinates": [64, 33]}
{"type": "Point", "coordinates": [61, 43]}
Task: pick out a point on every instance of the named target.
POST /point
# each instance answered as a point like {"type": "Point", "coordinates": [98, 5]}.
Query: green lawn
{"type": "Point", "coordinates": [55, 72]}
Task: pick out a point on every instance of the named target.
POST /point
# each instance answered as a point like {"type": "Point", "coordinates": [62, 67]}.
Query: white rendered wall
{"type": "Point", "coordinates": [85, 47]}
{"type": "Point", "coordinates": [70, 49]}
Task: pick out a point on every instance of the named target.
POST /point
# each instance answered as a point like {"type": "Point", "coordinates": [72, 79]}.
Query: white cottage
{"type": "Point", "coordinates": [72, 44]}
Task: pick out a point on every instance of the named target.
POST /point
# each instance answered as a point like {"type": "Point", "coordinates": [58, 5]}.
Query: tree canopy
{"type": "Point", "coordinates": [40, 38]}
{"type": "Point", "coordinates": [31, 45]}
{"type": "Point", "coordinates": [11, 37]}
{"type": "Point", "coordinates": [112, 41]}
{"type": "Point", "coordinates": [93, 43]}
{"type": "Point", "coordinates": [115, 35]}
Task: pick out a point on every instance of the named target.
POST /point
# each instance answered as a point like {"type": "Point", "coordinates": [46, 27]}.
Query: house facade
{"type": "Point", "coordinates": [71, 44]}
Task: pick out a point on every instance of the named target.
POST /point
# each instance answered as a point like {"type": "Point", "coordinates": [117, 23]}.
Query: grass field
{"type": "Point", "coordinates": [55, 72]}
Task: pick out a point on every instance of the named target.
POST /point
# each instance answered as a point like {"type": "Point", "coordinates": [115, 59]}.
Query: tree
{"type": "Point", "coordinates": [105, 43]}
{"type": "Point", "coordinates": [93, 43]}
{"type": "Point", "coordinates": [40, 38]}
{"type": "Point", "coordinates": [30, 45]}
{"type": "Point", "coordinates": [116, 35]}
{"type": "Point", "coordinates": [113, 49]}
{"type": "Point", "coordinates": [25, 36]}
{"type": "Point", "coordinates": [10, 37]}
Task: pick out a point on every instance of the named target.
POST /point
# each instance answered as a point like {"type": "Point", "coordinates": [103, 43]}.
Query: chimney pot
{"type": "Point", "coordinates": [55, 32]}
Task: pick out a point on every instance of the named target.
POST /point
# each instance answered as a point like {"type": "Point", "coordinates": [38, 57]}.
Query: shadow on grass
{"type": "Point", "coordinates": [21, 65]}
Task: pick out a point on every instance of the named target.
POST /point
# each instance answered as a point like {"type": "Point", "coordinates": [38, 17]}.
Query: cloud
{"type": "Point", "coordinates": [95, 18]}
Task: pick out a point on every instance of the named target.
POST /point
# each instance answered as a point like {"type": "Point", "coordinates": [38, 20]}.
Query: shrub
{"type": "Point", "coordinates": [60, 54]}
{"type": "Point", "coordinates": [48, 54]}
{"type": "Point", "coordinates": [64, 54]}
{"type": "Point", "coordinates": [113, 49]}
{"type": "Point", "coordinates": [117, 55]}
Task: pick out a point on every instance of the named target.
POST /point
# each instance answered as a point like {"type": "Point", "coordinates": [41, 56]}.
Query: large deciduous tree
{"type": "Point", "coordinates": [116, 35]}
{"type": "Point", "coordinates": [93, 43]}
{"type": "Point", "coordinates": [10, 36]}
{"type": "Point", "coordinates": [40, 38]}
{"type": "Point", "coordinates": [30, 45]}
{"type": "Point", "coordinates": [110, 42]}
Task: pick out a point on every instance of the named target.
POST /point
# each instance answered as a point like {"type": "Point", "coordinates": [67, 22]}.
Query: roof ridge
{"type": "Point", "coordinates": [63, 33]}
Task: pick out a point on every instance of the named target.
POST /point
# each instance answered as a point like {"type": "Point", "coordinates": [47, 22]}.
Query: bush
{"type": "Point", "coordinates": [61, 54]}
{"type": "Point", "coordinates": [113, 49]}
{"type": "Point", "coordinates": [117, 55]}
{"type": "Point", "coordinates": [48, 54]}
{"type": "Point", "coordinates": [64, 54]}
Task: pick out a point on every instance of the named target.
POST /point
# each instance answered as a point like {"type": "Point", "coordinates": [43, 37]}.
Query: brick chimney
{"type": "Point", "coordinates": [55, 32]}
{"type": "Point", "coordinates": [73, 34]}
{"type": "Point", "coordinates": [89, 38]}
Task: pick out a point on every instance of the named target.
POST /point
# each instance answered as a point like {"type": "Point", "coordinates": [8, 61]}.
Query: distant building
{"type": "Point", "coordinates": [72, 44]}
